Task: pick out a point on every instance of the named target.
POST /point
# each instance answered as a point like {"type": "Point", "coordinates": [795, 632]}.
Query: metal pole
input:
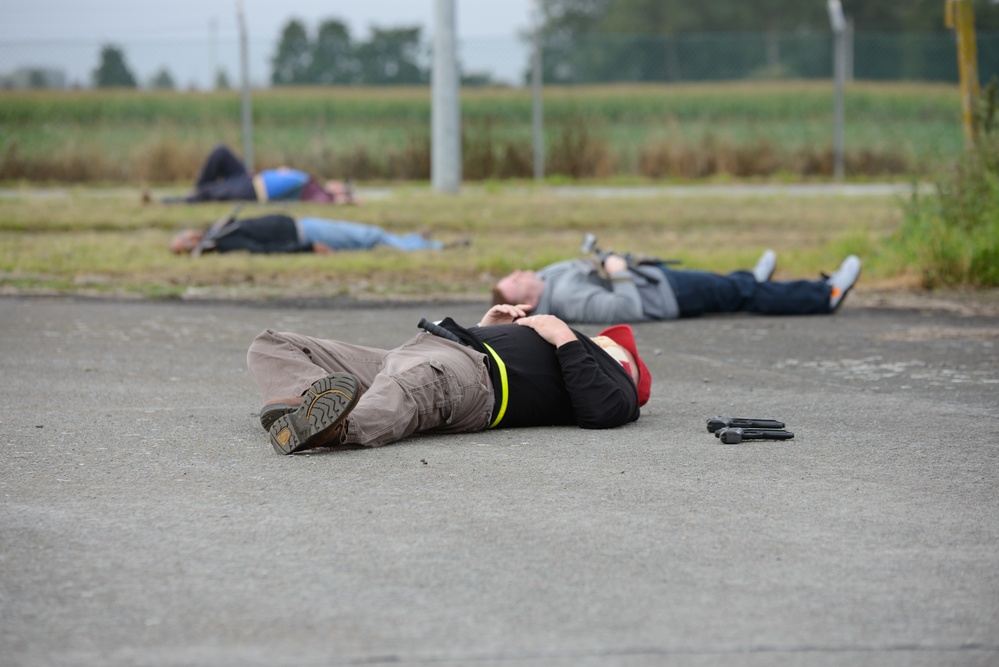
{"type": "Point", "coordinates": [445, 117]}
{"type": "Point", "coordinates": [537, 115]}
{"type": "Point", "coordinates": [960, 15]}
{"type": "Point", "coordinates": [839, 74]}
{"type": "Point", "coordinates": [213, 55]}
{"type": "Point", "coordinates": [245, 68]}
{"type": "Point", "coordinates": [848, 51]}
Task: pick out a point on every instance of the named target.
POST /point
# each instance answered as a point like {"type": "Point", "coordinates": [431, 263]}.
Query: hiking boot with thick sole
{"type": "Point", "coordinates": [321, 421]}
{"type": "Point", "coordinates": [270, 413]}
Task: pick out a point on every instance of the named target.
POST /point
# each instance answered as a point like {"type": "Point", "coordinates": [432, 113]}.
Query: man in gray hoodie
{"type": "Point", "coordinates": [616, 290]}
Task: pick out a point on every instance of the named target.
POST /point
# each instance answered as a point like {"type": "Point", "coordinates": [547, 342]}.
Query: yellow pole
{"type": "Point", "coordinates": [959, 15]}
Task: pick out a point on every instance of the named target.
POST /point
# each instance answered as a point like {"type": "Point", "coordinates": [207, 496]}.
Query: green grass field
{"type": "Point", "coordinates": [104, 241]}
{"type": "Point", "coordinates": [771, 130]}
{"type": "Point", "coordinates": [96, 237]}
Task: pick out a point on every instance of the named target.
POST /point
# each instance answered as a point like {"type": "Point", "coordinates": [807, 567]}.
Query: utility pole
{"type": "Point", "coordinates": [839, 74]}
{"type": "Point", "coordinates": [959, 15]}
{"type": "Point", "coordinates": [445, 116]}
{"type": "Point", "coordinates": [244, 60]}
{"type": "Point", "coordinates": [537, 115]}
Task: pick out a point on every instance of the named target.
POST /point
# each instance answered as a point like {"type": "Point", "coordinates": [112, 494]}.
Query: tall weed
{"type": "Point", "coordinates": [952, 237]}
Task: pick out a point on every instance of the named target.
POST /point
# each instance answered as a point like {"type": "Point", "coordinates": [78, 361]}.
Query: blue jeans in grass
{"type": "Point", "coordinates": [342, 235]}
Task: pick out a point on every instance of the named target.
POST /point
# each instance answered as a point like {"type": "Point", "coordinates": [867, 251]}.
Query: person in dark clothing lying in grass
{"type": "Point", "coordinates": [223, 177]}
{"type": "Point", "coordinates": [280, 233]}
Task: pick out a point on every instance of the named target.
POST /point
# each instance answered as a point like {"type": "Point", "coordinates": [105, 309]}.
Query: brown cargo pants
{"type": "Point", "coordinates": [426, 384]}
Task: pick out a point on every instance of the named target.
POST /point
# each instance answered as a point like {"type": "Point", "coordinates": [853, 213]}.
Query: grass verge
{"type": "Point", "coordinates": [104, 241]}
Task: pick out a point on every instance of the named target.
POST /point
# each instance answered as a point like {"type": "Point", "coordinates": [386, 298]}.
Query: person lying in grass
{"type": "Point", "coordinates": [278, 233]}
{"type": "Point", "coordinates": [223, 177]}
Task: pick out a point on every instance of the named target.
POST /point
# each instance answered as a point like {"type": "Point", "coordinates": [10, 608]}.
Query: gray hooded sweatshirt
{"type": "Point", "coordinates": [576, 291]}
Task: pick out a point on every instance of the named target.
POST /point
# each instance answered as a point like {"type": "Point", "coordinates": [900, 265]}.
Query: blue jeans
{"type": "Point", "coordinates": [699, 292]}
{"type": "Point", "coordinates": [341, 235]}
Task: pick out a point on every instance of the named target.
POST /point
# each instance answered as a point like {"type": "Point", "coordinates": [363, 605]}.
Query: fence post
{"type": "Point", "coordinates": [244, 62]}
{"type": "Point", "coordinates": [213, 52]}
{"type": "Point", "coordinates": [839, 74]}
{"type": "Point", "coordinates": [537, 116]}
{"type": "Point", "coordinates": [848, 51]}
{"type": "Point", "coordinates": [959, 15]}
{"type": "Point", "coordinates": [445, 110]}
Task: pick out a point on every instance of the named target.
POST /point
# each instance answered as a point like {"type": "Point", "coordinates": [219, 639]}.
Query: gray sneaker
{"type": "Point", "coordinates": [843, 281]}
{"type": "Point", "coordinates": [765, 266]}
{"type": "Point", "coordinates": [321, 421]}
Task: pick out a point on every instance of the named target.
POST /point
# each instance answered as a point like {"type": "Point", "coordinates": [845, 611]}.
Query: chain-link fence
{"type": "Point", "coordinates": [203, 64]}
{"type": "Point", "coordinates": [200, 64]}
{"type": "Point", "coordinates": [781, 123]}
{"type": "Point", "coordinates": [736, 56]}
{"type": "Point", "coordinates": [190, 62]}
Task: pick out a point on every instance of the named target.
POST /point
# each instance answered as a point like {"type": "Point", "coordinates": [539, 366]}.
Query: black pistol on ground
{"type": "Point", "coordinates": [723, 421]}
{"type": "Point", "coordinates": [735, 435]}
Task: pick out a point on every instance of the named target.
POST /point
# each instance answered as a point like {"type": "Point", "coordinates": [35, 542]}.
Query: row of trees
{"type": "Point", "coordinates": [678, 40]}
{"type": "Point", "coordinates": [113, 72]}
{"type": "Point", "coordinates": [658, 40]}
{"type": "Point", "coordinates": [623, 40]}
{"type": "Point", "coordinates": [669, 17]}
{"type": "Point", "coordinates": [393, 56]}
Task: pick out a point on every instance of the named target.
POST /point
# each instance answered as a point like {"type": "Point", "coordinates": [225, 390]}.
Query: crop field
{"type": "Point", "coordinates": [628, 132]}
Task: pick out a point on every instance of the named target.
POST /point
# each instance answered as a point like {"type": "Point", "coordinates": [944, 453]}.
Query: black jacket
{"type": "Point", "coordinates": [266, 234]}
{"type": "Point", "coordinates": [578, 383]}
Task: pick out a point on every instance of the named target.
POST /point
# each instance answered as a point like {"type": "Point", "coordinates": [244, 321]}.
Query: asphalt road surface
{"type": "Point", "coordinates": [147, 521]}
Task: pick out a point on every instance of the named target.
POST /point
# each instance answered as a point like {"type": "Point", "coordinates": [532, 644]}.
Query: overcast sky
{"type": "Point", "coordinates": [185, 35]}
